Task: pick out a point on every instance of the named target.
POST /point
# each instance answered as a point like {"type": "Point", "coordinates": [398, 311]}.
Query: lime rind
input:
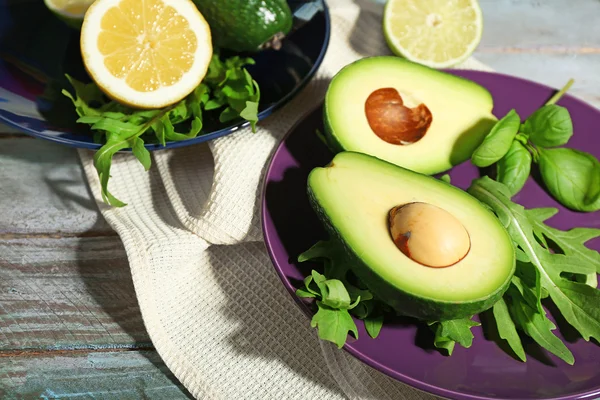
{"type": "Point", "coordinates": [401, 51]}
{"type": "Point", "coordinates": [74, 20]}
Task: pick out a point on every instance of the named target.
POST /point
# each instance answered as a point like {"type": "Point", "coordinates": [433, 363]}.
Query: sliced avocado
{"type": "Point", "coordinates": [247, 25]}
{"type": "Point", "coordinates": [405, 113]}
{"type": "Point", "coordinates": [426, 248]}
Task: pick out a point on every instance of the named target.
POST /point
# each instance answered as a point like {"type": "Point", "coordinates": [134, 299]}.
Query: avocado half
{"type": "Point", "coordinates": [353, 196]}
{"type": "Point", "coordinates": [405, 113]}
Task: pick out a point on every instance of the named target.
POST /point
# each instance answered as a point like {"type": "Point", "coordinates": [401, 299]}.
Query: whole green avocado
{"type": "Point", "coordinates": [247, 25]}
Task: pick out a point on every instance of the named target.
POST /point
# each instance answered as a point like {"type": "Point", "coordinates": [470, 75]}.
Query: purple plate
{"type": "Point", "coordinates": [403, 350]}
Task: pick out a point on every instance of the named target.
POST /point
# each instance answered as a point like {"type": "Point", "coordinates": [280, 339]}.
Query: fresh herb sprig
{"type": "Point", "coordinates": [550, 262]}
{"type": "Point", "coordinates": [448, 333]}
{"type": "Point", "coordinates": [571, 176]}
{"type": "Point", "coordinates": [227, 90]}
{"type": "Point", "coordinates": [337, 300]}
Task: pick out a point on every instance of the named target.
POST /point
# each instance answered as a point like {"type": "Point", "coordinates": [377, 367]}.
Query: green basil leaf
{"type": "Point", "coordinates": [572, 177]}
{"type": "Point", "coordinates": [497, 143]}
{"type": "Point", "coordinates": [514, 168]}
{"type": "Point", "coordinates": [549, 126]}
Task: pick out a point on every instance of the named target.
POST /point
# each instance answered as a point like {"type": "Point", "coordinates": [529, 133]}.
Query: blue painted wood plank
{"type": "Point", "coordinates": [101, 375]}
{"type": "Point", "coordinates": [71, 293]}
{"type": "Point", "coordinates": [43, 190]}
{"type": "Point", "coordinates": [534, 24]}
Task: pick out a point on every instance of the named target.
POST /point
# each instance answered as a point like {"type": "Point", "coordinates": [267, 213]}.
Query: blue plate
{"type": "Point", "coordinates": [37, 49]}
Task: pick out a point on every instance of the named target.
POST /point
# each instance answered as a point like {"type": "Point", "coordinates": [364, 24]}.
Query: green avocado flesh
{"type": "Point", "coordinates": [461, 113]}
{"type": "Point", "coordinates": [245, 25]}
{"type": "Point", "coordinates": [353, 196]}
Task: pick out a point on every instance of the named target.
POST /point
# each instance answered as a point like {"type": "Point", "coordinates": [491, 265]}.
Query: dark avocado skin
{"type": "Point", "coordinates": [404, 303]}
{"type": "Point", "coordinates": [330, 138]}
{"type": "Point", "coordinates": [245, 25]}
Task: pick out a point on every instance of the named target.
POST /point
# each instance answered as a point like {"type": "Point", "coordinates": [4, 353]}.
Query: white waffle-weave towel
{"type": "Point", "coordinates": [210, 299]}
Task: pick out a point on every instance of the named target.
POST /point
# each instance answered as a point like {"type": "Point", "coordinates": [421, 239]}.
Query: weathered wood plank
{"type": "Point", "coordinates": [70, 293]}
{"type": "Point", "coordinates": [43, 190]}
{"type": "Point", "coordinates": [530, 24]}
{"type": "Point", "coordinates": [96, 375]}
{"type": "Point", "coordinates": [553, 70]}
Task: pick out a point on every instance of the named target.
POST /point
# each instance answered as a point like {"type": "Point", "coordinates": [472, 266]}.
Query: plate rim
{"type": "Point", "coordinates": [349, 347]}
{"type": "Point", "coordinates": [201, 138]}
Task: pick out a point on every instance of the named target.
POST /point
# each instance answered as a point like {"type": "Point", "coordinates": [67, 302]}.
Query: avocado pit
{"type": "Point", "coordinates": [394, 122]}
{"type": "Point", "coordinates": [429, 235]}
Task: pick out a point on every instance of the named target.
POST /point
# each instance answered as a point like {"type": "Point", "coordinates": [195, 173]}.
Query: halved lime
{"type": "Point", "coordinates": [70, 11]}
{"type": "Point", "coordinates": [436, 33]}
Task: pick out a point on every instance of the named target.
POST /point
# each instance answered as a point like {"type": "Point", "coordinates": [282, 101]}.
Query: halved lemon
{"type": "Point", "coordinates": [70, 11]}
{"type": "Point", "coordinates": [436, 33]}
{"type": "Point", "coordinates": [146, 53]}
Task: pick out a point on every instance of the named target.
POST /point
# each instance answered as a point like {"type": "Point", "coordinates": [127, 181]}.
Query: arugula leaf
{"type": "Point", "coordinates": [250, 113]}
{"type": "Point", "coordinates": [529, 288]}
{"type": "Point", "coordinates": [333, 292]}
{"type": "Point", "coordinates": [373, 325]}
{"type": "Point", "coordinates": [103, 162]}
{"type": "Point", "coordinates": [168, 130]}
{"type": "Point", "coordinates": [85, 94]}
{"type": "Point", "coordinates": [333, 324]}
{"type": "Point", "coordinates": [442, 342]}
{"type": "Point", "coordinates": [507, 329]}
{"type": "Point", "coordinates": [116, 141]}
{"type": "Point", "coordinates": [458, 330]}
{"type": "Point", "coordinates": [308, 292]}
{"type": "Point", "coordinates": [537, 326]}
{"type": "Point", "coordinates": [571, 242]}
{"type": "Point", "coordinates": [332, 253]}
{"type": "Point", "coordinates": [332, 319]}
{"type": "Point", "coordinates": [141, 153]}
{"type": "Point", "coordinates": [448, 333]}
{"type": "Point", "coordinates": [577, 302]}
{"type": "Point", "coordinates": [227, 88]}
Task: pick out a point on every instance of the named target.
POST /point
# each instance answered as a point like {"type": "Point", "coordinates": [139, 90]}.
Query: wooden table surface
{"type": "Point", "coordinates": [70, 326]}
